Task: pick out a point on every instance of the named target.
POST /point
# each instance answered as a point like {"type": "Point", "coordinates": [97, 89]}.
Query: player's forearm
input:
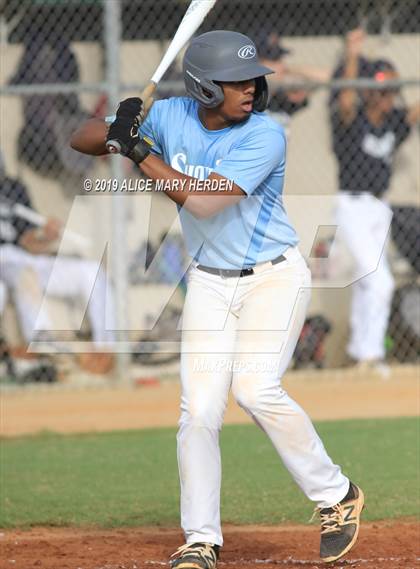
{"type": "Point", "coordinates": [90, 138]}
{"type": "Point", "coordinates": [33, 242]}
{"type": "Point", "coordinates": [182, 189]}
{"type": "Point", "coordinates": [347, 99]}
{"type": "Point", "coordinates": [156, 169]}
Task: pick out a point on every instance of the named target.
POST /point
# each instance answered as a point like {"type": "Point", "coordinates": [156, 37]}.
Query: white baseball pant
{"type": "Point", "coordinates": [3, 296]}
{"type": "Point", "coordinates": [241, 333]}
{"type": "Point", "coordinates": [365, 222]}
{"type": "Point", "coordinates": [71, 278]}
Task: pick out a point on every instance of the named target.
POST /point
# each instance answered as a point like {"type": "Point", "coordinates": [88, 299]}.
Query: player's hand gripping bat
{"type": "Point", "coordinates": [192, 20]}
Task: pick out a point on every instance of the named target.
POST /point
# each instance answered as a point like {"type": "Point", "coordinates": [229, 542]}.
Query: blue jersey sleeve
{"type": "Point", "coordinates": [254, 158]}
{"type": "Point", "coordinates": [151, 127]}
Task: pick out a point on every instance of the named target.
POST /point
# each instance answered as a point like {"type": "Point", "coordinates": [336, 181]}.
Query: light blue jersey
{"type": "Point", "coordinates": [253, 155]}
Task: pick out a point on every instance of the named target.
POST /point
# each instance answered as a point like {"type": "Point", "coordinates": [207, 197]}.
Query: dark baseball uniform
{"type": "Point", "coordinates": [365, 154]}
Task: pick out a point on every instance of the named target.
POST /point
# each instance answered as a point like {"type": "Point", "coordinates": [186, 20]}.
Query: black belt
{"type": "Point", "coordinates": [226, 273]}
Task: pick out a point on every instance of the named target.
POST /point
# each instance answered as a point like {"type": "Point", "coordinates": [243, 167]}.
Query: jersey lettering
{"type": "Point", "coordinates": [380, 147]}
{"type": "Point", "coordinates": [180, 164]}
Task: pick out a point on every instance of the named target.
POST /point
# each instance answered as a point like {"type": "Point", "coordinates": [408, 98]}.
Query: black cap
{"type": "Point", "coordinates": [380, 69]}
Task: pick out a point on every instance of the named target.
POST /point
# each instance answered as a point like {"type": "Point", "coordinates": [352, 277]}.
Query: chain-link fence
{"type": "Point", "coordinates": [348, 104]}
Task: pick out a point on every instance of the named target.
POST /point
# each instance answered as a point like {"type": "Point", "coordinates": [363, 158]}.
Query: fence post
{"type": "Point", "coordinates": [112, 41]}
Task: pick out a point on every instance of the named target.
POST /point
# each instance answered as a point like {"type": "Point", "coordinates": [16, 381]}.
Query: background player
{"type": "Point", "coordinates": [368, 128]}
{"type": "Point", "coordinates": [27, 254]}
{"type": "Point", "coordinates": [248, 288]}
{"type": "Point", "coordinates": [285, 102]}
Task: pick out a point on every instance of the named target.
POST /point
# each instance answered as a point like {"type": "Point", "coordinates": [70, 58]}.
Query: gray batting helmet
{"type": "Point", "coordinates": [223, 56]}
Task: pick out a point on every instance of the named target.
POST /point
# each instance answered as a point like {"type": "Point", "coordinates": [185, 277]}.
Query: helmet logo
{"type": "Point", "coordinates": [247, 52]}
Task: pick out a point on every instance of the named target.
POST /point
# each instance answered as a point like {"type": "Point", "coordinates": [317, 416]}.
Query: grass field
{"type": "Point", "coordinates": [130, 478]}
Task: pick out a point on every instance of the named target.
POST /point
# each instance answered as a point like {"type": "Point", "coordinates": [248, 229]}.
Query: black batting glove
{"type": "Point", "coordinates": [131, 108]}
{"type": "Point", "coordinates": [124, 130]}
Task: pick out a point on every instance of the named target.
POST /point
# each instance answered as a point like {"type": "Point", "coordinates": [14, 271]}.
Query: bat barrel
{"type": "Point", "coordinates": [192, 20]}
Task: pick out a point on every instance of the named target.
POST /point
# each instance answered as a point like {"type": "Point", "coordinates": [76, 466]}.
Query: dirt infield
{"type": "Point", "coordinates": [108, 407]}
{"type": "Point", "coordinates": [391, 545]}
{"type": "Point", "coordinates": [340, 394]}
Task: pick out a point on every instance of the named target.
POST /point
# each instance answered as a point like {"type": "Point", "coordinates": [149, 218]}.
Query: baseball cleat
{"type": "Point", "coordinates": [340, 525]}
{"type": "Point", "coordinates": [195, 556]}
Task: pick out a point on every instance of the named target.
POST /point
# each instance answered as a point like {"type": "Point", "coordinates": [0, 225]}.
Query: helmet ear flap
{"type": "Point", "coordinates": [215, 91]}
{"type": "Point", "coordinates": [261, 94]}
{"type": "Point", "coordinates": [208, 93]}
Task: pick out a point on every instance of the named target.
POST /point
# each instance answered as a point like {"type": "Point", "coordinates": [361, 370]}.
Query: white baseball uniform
{"type": "Point", "coordinates": [29, 276]}
{"type": "Point", "coordinates": [239, 332]}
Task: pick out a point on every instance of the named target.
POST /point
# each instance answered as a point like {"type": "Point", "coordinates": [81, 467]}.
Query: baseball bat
{"type": "Point", "coordinates": [39, 220]}
{"type": "Point", "coordinates": [192, 20]}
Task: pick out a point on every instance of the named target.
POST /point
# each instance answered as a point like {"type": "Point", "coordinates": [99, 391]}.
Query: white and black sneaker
{"type": "Point", "coordinates": [195, 556]}
{"type": "Point", "coordinates": [340, 525]}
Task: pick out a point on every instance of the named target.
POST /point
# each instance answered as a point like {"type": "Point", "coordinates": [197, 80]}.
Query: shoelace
{"type": "Point", "coordinates": [331, 521]}
{"type": "Point", "coordinates": [202, 549]}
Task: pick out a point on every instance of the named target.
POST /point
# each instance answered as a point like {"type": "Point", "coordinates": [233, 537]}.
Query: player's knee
{"type": "Point", "coordinates": [91, 269]}
{"type": "Point", "coordinates": [382, 287]}
{"type": "Point", "coordinates": [388, 285]}
{"type": "Point", "coordinates": [254, 396]}
{"type": "Point", "coordinates": [203, 414]}
{"type": "Point", "coordinates": [92, 277]}
{"type": "Point", "coordinates": [246, 394]}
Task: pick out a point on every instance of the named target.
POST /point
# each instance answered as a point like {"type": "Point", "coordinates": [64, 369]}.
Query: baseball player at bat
{"type": "Point", "coordinates": [248, 285]}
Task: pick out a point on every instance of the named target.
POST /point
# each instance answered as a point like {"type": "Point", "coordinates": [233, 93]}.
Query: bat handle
{"type": "Point", "coordinates": [113, 146]}
{"type": "Point", "coordinates": [147, 92]}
